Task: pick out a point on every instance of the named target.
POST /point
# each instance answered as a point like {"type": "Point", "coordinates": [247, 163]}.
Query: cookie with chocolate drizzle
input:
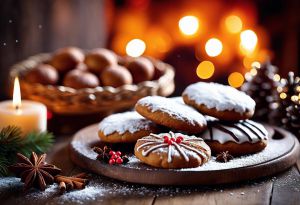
{"type": "Point", "coordinates": [172, 150]}
{"type": "Point", "coordinates": [239, 138]}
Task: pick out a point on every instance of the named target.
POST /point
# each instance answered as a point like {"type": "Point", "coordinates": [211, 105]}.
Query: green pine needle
{"type": "Point", "coordinates": [12, 141]}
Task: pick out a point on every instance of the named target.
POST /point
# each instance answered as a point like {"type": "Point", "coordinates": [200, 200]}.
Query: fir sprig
{"type": "Point", "coordinates": [12, 141]}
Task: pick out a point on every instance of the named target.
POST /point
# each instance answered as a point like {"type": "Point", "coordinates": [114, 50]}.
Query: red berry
{"type": "Point", "coordinates": [170, 142]}
{"type": "Point", "coordinates": [112, 161]}
{"type": "Point", "coordinates": [118, 153]}
{"type": "Point", "coordinates": [178, 140]}
{"type": "Point", "coordinates": [114, 156]}
{"type": "Point", "coordinates": [166, 139]}
{"type": "Point", "coordinates": [180, 137]}
{"type": "Point", "coordinates": [119, 160]}
{"type": "Point", "coordinates": [111, 152]}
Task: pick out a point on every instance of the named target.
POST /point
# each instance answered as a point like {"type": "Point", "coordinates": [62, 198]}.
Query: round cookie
{"type": "Point", "coordinates": [115, 76]}
{"type": "Point", "coordinates": [125, 127]}
{"type": "Point", "coordinates": [98, 59]}
{"type": "Point", "coordinates": [44, 74]}
{"type": "Point", "coordinates": [240, 138]}
{"type": "Point", "coordinates": [170, 113]}
{"type": "Point", "coordinates": [79, 79]}
{"type": "Point", "coordinates": [66, 59]}
{"type": "Point", "coordinates": [172, 151]}
{"type": "Point", "coordinates": [220, 101]}
{"type": "Point", "coordinates": [141, 69]}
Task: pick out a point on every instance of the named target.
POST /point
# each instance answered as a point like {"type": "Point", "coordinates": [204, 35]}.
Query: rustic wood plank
{"type": "Point", "coordinates": [286, 188]}
{"type": "Point", "coordinates": [245, 194]}
{"type": "Point", "coordinates": [59, 154]}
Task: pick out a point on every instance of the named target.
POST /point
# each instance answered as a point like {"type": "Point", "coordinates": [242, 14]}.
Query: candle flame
{"type": "Point", "coordinates": [17, 94]}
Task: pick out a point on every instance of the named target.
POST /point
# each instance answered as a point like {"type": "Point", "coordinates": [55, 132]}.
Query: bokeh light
{"type": "Point", "coordinates": [135, 48]}
{"type": "Point", "coordinates": [294, 98]}
{"type": "Point", "coordinates": [213, 47]}
{"type": "Point", "coordinates": [236, 79]}
{"type": "Point", "coordinates": [189, 25]}
{"type": "Point", "coordinates": [205, 69]}
{"type": "Point", "coordinates": [276, 77]}
{"type": "Point", "coordinates": [253, 71]}
{"type": "Point", "coordinates": [248, 41]}
{"type": "Point", "coordinates": [282, 95]}
{"type": "Point", "coordinates": [233, 24]}
{"type": "Point", "coordinates": [255, 64]}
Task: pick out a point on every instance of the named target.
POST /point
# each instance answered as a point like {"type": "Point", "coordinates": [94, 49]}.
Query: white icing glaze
{"type": "Point", "coordinates": [220, 97]}
{"type": "Point", "coordinates": [250, 128]}
{"type": "Point", "coordinates": [156, 143]}
{"type": "Point", "coordinates": [122, 122]}
{"type": "Point", "coordinates": [173, 108]}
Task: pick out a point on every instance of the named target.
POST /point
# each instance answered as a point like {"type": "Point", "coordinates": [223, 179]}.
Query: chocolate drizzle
{"type": "Point", "coordinates": [251, 131]}
{"type": "Point", "coordinates": [223, 129]}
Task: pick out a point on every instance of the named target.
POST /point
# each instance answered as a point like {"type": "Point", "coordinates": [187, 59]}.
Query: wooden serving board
{"type": "Point", "coordinates": [280, 154]}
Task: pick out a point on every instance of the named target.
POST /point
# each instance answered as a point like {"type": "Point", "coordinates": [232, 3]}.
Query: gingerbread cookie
{"type": "Point", "coordinates": [220, 101]}
{"type": "Point", "coordinates": [125, 127]}
{"type": "Point", "coordinates": [172, 150]}
{"type": "Point", "coordinates": [240, 138]}
{"type": "Point", "coordinates": [170, 113]}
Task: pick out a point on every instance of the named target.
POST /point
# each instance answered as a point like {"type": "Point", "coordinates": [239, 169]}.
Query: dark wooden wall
{"type": "Point", "coordinates": [28, 27]}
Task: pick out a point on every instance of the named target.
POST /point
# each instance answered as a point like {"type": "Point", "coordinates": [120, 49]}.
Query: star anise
{"type": "Point", "coordinates": [103, 154]}
{"type": "Point", "coordinates": [224, 157]}
{"type": "Point", "coordinates": [34, 171]}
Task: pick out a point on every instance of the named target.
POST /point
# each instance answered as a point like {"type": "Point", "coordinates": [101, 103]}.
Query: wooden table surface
{"type": "Point", "coordinates": [283, 188]}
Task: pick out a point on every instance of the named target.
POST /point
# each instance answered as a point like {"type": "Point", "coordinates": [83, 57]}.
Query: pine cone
{"type": "Point", "coordinates": [292, 119]}
{"type": "Point", "coordinates": [262, 88]}
{"type": "Point", "coordinates": [288, 88]}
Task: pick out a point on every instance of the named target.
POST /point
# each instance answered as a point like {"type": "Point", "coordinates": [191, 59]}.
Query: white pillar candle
{"type": "Point", "coordinates": [30, 117]}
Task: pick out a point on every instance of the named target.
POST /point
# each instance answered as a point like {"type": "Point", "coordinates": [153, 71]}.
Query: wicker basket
{"type": "Point", "coordinates": [68, 101]}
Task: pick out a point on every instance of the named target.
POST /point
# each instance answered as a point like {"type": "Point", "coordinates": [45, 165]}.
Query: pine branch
{"type": "Point", "coordinates": [12, 141]}
{"type": "Point", "coordinates": [37, 142]}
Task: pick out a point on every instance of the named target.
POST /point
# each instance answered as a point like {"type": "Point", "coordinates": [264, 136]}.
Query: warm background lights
{"type": "Point", "coordinates": [233, 24]}
{"type": "Point", "coordinates": [189, 25]}
{"type": "Point", "coordinates": [135, 48]}
{"type": "Point", "coordinates": [213, 47]}
{"type": "Point", "coordinates": [236, 79]}
{"type": "Point", "coordinates": [205, 69]}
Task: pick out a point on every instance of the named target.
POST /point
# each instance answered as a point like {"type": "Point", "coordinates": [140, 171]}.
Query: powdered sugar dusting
{"type": "Point", "coordinates": [220, 97]}
{"type": "Point", "coordinates": [122, 122]}
{"type": "Point", "coordinates": [173, 108]}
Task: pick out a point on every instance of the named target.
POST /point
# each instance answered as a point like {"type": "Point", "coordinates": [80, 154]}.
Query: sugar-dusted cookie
{"type": "Point", "coordinates": [170, 113]}
{"type": "Point", "coordinates": [220, 101]}
{"type": "Point", "coordinates": [239, 138]}
{"type": "Point", "coordinates": [172, 150]}
{"type": "Point", "coordinates": [125, 127]}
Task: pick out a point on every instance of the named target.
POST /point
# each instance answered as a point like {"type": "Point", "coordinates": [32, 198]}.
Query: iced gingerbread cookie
{"type": "Point", "coordinates": [240, 138]}
{"type": "Point", "coordinates": [125, 127]}
{"type": "Point", "coordinates": [220, 101]}
{"type": "Point", "coordinates": [170, 113]}
{"type": "Point", "coordinates": [172, 150]}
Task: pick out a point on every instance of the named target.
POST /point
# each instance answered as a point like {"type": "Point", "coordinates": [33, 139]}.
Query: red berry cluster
{"type": "Point", "coordinates": [115, 157]}
{"type": "Point", "coordinates": [107, 155]}
{"type": "Point", "coordinates": [170, 140]}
